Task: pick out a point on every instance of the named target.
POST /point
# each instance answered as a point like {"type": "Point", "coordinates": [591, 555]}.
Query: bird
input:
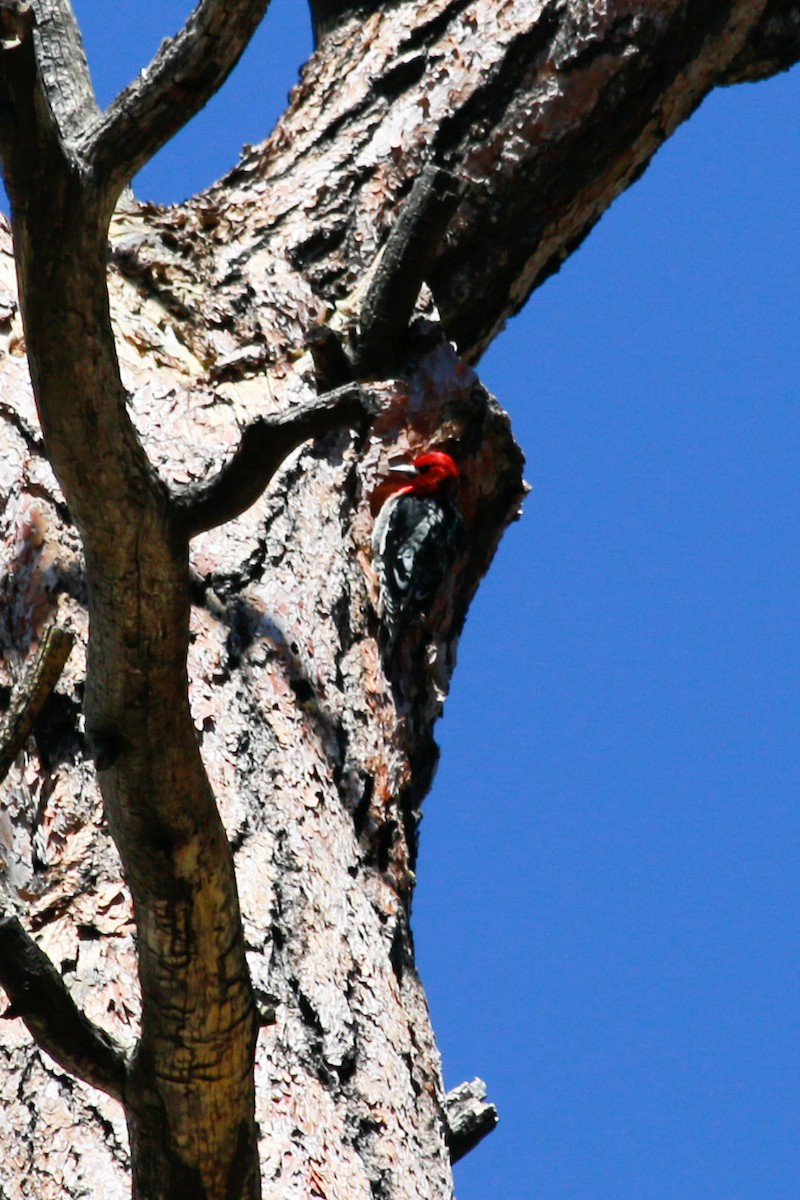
{"type": "Point", "coordinates": [417, 538]}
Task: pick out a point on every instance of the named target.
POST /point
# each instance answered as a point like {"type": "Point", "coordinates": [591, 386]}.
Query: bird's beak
{"type": "Point", "coordinates": [402, 469]}
{"type": "Point", "coordinates": [398, 473]}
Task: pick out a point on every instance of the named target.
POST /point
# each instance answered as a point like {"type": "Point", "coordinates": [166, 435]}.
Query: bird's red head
{"type": "Point", "coordinates": [431, 474]}
{"type": "Point", "coordinates": [435, 470]}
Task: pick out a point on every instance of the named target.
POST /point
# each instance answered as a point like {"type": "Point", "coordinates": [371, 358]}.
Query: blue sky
{"type": "Point", "coordinates": [608, 909]}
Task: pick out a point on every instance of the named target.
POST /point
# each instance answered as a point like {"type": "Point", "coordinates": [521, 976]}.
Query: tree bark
{"type": "Point", "coordinates": [212, 834]}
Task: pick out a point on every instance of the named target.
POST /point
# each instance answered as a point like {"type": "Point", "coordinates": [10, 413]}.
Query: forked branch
{"type": "Point", "coordinates": [185, 73]}
{"type": "Point", "coordinates": [47, 95]}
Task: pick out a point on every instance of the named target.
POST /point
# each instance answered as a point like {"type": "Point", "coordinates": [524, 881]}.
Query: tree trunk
{"type": "Point", "coordinates": [268, 1030]}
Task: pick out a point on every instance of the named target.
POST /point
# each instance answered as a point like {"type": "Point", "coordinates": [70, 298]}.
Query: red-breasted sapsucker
{"type": "Point", "coordinates": [416, 540]}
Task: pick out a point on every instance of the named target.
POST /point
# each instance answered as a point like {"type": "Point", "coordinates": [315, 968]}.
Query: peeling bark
{"type": "Point", "coordinates": [212, 832]}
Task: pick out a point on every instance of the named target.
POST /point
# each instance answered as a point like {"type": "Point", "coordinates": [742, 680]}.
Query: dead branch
{"type": "Point", "coordinates": [411, 248]}
{"type": "Point", "coordinates": [31, 695]}
{"type": "Point", "coordinates": [185, 73]}
{"type": "Point", "coordinates": [29, 134]}
{"type": "Point", "coordinates": [40, 997]}
{"type": "Point", "coordinates": [263, 449]}
{"type": "Point", "coordinates": [469, 1118]}
{"type": "Point", "coordinates": [62, 62]}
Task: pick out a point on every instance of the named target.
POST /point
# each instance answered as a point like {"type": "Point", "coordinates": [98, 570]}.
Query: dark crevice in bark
{"type": "Point", "coordinates": [29, 435]}
{"type": "Point", "coordinates": [522, 57]}
{"type": "Point", "coordinates": [324, 240]}
{"type": "Point", "coordinates": [332, 365]}
{"type": "Point", "coordinates": [383, 844]}
{"type": "Point", "coordinates": [399, 955]}
{"type": "Point", "coordinates": [57, 732]}
{"type": "Point", "coordinates": [361, 810]}
{"type": "Point", "coordinates": [431, 30]}
{"type": "Point", "coordinates": [32, 693]}
{"type": "Point", "coordinates": [401, 76]}
{"type": "Point", "coordinates": [327, 14]}
{"type": "Point", "coordinates": [345, 121]}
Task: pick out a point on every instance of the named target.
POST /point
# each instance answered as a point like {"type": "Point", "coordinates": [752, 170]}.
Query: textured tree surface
{"type": "Point", "coordinates": [318, 755]}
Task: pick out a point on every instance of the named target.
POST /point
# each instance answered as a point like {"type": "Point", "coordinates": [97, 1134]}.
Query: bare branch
{"type": "Point", "coordinates": [63, 66]}
{"type": "Point", "coordinates": [263, 448]}
{"type": "Point", "coordinates": [31, 695]}
{"type": "Point", "coordinates": [40, 997]}
{"type": "Point", "coordinates": [409, 252]}
{"type": "Point", "coordinates": [469, 1117]}
{"type": "Point", "coordinates": [29, 135]}
{"type": "Point", "coordinates": [185, 73]}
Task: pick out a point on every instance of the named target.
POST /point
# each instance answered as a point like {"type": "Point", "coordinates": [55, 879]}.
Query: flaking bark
{"type": "Point", "coordinates": [318, 762]}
